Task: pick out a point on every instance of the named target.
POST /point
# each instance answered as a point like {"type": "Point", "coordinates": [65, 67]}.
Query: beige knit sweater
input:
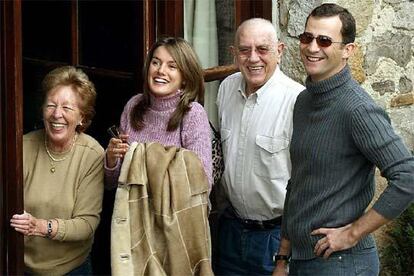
{"type": "Point", "coordinates": [72, 195]}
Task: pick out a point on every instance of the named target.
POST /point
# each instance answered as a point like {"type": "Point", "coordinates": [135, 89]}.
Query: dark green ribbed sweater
{"type": "Point", "coordinates": [339, 136]}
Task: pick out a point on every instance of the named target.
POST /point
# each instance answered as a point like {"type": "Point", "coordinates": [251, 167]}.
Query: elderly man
{"type": "Point", "coordinates": [255, 113]}
{"type": "Point", "coordinates": [339, 136]}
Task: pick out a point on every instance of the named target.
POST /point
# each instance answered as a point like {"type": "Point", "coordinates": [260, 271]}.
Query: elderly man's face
{"type": "Point", "coordinates": [257, 55]}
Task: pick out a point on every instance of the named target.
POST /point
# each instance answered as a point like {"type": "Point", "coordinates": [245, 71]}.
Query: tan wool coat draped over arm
{"type": "Point", "coordinates": [160, 218]}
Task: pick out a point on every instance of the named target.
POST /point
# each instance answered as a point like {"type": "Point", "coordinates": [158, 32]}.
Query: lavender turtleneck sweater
{"type": "Point", "coordinates": [193, 134]}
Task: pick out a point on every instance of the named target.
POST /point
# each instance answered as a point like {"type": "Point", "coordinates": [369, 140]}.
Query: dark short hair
{"type": "Point", "coordinates": [80, 84]}
{"type": "Point", "coordinates": [348, 29]}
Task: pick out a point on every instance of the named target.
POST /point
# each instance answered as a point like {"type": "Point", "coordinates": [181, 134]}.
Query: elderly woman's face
{"type": "Point", "coordinates": [61, 115]}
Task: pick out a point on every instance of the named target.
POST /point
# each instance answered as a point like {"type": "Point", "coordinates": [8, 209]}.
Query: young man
{"type": "Point", "coordinates": [339, 136]}
{"type": "Point", "coordinates": [255, 112]}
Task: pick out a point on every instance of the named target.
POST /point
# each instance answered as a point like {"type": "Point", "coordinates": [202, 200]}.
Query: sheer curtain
{"type": "Point", "coordinates": [200, 29]}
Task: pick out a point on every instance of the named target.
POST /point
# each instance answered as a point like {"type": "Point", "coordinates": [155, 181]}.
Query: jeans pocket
{"type": "Point", "coordinates": [366, 262]}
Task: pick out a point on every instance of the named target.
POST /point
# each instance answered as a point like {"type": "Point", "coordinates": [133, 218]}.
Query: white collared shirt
{"type": "Point", "coordinates": [255, 133]}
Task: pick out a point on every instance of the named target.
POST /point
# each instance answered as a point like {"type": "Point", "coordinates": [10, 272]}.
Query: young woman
{"type": "Point", "coordinates": [167, 112]}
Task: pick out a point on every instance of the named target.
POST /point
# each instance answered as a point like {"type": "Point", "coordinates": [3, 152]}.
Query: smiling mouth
{"type": "Point", "coordinates": [255, 69]}
{"type": "Point", "coordinates": [160, 80]}
{"type": "Point", "coordinates": [57, 125]}
{"type": "Point", "coordinates": [313, 59]}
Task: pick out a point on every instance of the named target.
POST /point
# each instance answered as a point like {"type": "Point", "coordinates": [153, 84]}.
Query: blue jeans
{"type": "Point", "coordinates": [83, 269]}
{"type": "Point", "coordinates": [245, 252]}
{"type": "Point", "coordinates": [350, 262]}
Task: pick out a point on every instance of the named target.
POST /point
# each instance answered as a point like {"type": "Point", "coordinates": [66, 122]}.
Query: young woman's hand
{"type": "Point", "coordinates": [117, 148]}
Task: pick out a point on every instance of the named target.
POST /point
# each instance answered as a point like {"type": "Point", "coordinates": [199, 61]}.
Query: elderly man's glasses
{"type": "Point", "coordinates": [246, 52]}
{"type": "Point", "coordinates": [322, 40]}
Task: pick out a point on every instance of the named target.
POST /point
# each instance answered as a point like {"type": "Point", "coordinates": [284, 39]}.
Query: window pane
{"type": "Point", "coordinates": [209, 27]}
{"type": "Point", "coordinates": [109, 34]}
{"type": "Point", "coordinates": [46, 34]}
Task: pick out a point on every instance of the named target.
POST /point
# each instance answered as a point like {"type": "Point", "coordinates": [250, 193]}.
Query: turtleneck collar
{"type": "Point", "coordinates": [325, 86]}
{"type": "Point", "coordinates": [165, 103]}
{"type": "Point", "coordinates": [325, 90]}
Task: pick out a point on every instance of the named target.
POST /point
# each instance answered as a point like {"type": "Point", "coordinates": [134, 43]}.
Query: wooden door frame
{"type": "Point", "coordinates": [162, 18]}
{"type": "Point", "coordinates": [255, 8]}
{"type": "Point", "coordinates": [11, 123]}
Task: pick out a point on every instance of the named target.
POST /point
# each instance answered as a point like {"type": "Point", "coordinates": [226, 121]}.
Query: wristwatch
{"type": "Point", "coordinates": [278, 257]}
{"type": "Point", "coordinates": [49, 229]}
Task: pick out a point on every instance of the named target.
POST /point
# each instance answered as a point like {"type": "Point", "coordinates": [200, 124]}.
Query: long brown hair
{"type": "Point", "coordinates": [192, 75]}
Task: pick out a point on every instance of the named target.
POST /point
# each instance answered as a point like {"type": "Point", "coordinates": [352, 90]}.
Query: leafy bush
{"type": "Point", "coordinates": [398, 256]}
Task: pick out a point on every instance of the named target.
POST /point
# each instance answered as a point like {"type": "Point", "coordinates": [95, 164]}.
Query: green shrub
{"type": "Point", "coordinates": [398, 255]}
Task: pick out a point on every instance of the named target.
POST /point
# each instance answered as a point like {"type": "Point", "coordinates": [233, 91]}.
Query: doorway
{"type": "Point", "coordinates": [104, 39]}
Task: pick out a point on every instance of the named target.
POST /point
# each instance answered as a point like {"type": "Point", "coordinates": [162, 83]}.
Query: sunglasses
{"type": "Point", "coordinates": [322, 40]}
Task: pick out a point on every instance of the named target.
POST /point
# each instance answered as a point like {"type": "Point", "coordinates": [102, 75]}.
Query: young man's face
{"type": "Point", "coordinates": [323, 62]}
{"type": "Point", "coordinates": [256, 55]}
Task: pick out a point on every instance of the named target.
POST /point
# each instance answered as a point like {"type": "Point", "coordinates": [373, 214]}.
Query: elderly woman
{"type": "Point", "coordinates": [63, 179]}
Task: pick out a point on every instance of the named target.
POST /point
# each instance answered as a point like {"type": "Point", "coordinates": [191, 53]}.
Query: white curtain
{"type": "Point", "coordinates": [201, 31]}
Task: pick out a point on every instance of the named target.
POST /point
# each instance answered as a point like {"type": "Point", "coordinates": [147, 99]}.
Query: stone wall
{"type": "Point", "coordinates": [383, 62]}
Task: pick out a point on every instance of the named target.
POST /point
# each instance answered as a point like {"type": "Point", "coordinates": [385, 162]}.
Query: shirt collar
{"type": "Point", "coordinates": [261, 92]}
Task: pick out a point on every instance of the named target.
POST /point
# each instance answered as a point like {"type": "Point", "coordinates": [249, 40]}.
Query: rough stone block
{"type": "Point", "coordinates": [404, 16]}
{"type": "Point", "coordinates": [405, 85]}
{"type": "Point", "coordinates": [361, 10]}
{"type": "Point", "coordinates": [392, 2]}
{"type": "Point", "coordinates": [387, 86]}
{"type": "Point", "coordinates": [356, 64]}
{"type": "Point", "coordinates": [298, 12]}
{"type": "Point", "coordinates": [396, 46]}
{"type": "Point", "coordinates": [402, 99]}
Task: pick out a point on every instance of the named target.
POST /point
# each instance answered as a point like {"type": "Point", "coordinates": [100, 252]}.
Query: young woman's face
{"type": "Point", "coordinates": [164, 77]}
